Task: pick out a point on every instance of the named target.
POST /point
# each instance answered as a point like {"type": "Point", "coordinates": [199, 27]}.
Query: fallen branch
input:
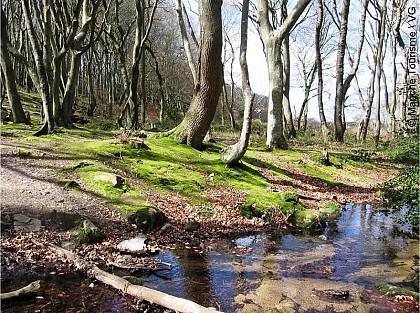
{"type": "Point", "coordinates": [144, 293]}
{"type": "Point", "coordinates": [27, 290]}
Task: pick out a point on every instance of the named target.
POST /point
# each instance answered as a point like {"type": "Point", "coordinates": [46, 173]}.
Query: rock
{"type": "Point", "coordinates": [147, 218]}
{"type": "Point", "coordinates": [192, 226]}
{"type": "Point", "coordinates": [72, 185]}
{"type": "Point", "coordinates": [134, 245]}
{"type": "Point", "coordinates": [25, 223]}
{"type": "Point", "coordinates": [69, 244]}
{"type": "Point", "coordinates": [289, 197]}
{"type": "Point", "coordinates": [90, 233]}
{"type": "Point", "coordinates": [166, 228]}
{"type": "Point", "coordinates": [115, 180]}
{"type": "Point", "coordinates": [316, 218]}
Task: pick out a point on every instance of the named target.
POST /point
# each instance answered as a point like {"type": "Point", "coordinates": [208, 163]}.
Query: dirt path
{"type": "Point", "coordinates": [34, 185]}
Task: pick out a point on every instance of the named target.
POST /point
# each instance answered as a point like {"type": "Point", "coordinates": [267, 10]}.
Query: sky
{"type": "Point", "coordinates": [259, 74]}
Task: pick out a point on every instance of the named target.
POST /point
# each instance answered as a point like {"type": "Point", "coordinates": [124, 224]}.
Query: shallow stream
{"type": "Point", "coordinates": [280, 270]}
{"type": "Point", "coordinates": [266, 272]}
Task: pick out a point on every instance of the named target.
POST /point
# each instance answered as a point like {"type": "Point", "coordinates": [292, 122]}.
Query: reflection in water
{"type": "Point", "coordinates": [361, 249]}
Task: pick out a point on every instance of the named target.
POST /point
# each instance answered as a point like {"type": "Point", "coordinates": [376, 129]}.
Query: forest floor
{"type": "Point", "coordinates": [34, 173]}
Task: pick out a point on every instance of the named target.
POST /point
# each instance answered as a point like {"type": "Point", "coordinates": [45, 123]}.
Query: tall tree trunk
{"type": "Point", "coordinates": [143, 91]}
{"type": "Point", "coordinates": [309, 79]}
{"type": "Point", "coordinates": [132, 106]}
{"type": "Point", "coordinates": [9, 76]}
{"type": "Point", "coordinates": [378, 70]}
{"type": "Point", "coordinates": [91, 87]}
{"type": "Point", "coordinates": [273, 39]}
{"type": "Point", "coordinates": [318, 34]}
{"type": "Point", "coordinates": [275, 125]}
{"type": "Point", "coordinates": [70, 92]}
{"type": "Point", "coordinates": [234, 153]}
{"type": "Point", "coordinates": [42, 59]}
{"type": "Point", "coordinates": [197, 120]}
{"type": "Point", "coordinates": [228, 106]}
{"type": "Point", "coordinates": [339, 126]}
{"type": "Point", "coordinates": [291, 131]}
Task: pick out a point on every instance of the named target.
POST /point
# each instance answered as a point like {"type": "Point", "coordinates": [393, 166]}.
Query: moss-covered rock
{"type": "Point", "coordinates": [316, 218]}
{"type": "Point", "coordinates": [192, 226]}
{"type": "Point", "coordinates": [289, 197]}
{"type": "Point", "coordinates": [90, 233]}
{"type": "Point", "coordinates": [147, 218]}
{"type": "Point", "coordinates": [116, 180]}
{"type": "Point", "coordinates": [391, 290]}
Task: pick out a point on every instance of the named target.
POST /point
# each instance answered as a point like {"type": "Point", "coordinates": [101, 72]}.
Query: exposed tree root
{"type": "Point", "coordinates": [32, 288]}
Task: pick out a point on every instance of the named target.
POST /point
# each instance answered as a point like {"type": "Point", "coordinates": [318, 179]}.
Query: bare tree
{"type": "Point", "coordinates": [9, 75]}
{"type": "Point", "coordinates": [232, 154]}
{"type": "Point", "coordinates": [273, 40]}
{"type": "Point", "coordinates": [343, 84]}
{"type": "Point", "coordinates": [318, 46]}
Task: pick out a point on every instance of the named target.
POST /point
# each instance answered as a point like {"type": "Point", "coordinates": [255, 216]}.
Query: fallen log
{"type": "Point", "coordinates": [27, 290]}
{"type": "Point", "coordinates": [144, 293]}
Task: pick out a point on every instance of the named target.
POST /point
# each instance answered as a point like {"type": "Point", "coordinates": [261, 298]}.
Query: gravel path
{"type": "Point", "coordinates": [34, 186]}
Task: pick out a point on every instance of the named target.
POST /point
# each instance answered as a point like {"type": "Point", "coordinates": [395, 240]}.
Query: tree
{"type": "Point", "coordinates": [318, 58]}
{"type": "Point", "coordinates": [273, 39]}
{"type": "Point", "coordinates": [342, 85]}
{"type": "Point", "coordinates": [9, 75]}
{"type": "Point", "coordinates": [234, 153]}
{"type": "Point", "coordinates": [42, 58]}
{"type": "Point", "coordinates": [373, 91]}
{"type": "Point", "coordinates": [139, 61]}
{"type": "Point", "coordinates": [197, 120]}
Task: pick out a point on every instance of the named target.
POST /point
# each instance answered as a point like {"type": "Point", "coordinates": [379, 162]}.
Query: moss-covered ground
{"type": "Point", "coordinates": [162, 165]}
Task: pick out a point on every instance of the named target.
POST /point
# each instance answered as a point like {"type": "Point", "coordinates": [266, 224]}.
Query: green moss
{"type": "Point", "coordinates": [390, 290]}
{"type": "Point", "coordinates": [24, 153]}
{"type": "Point", "coordinates": [330, 205]}
{"type": "Point", "coordinates": [146, 217]}
{"type": "Point", "coordinates": [89, 233]}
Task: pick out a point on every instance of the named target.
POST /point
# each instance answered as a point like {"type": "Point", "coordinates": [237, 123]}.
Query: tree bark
{"type": "Point", "coordinates": [318, 36]}
{"type": "Point", "coordinates": [186, 42]}
{"type": "Point", "coordinates": [273, 39]}
{"type": "Point", "coordinates": [200, 114]}
{"type": "Point", "coordinates": [70, 91]}
{"type": "Point", "coordinates": [234, 153]}
{"type": "Point", "coordinates": [9, 76]}
{"type": "Point", "coordinates": [343, 85]}
{"type": "Point", "coordinates": [339, 126]}
{"type": "Point", "coordinates": [378, 70]}
{"type": "Point", "coordinates": [42, 59]}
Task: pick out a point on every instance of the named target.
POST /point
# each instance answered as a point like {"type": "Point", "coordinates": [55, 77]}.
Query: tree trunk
{"type": "Point", "coordinates": [378, 71]}
{"type": "Point", "coordinates": [339, 125]}
{"type": "Point", "coordinates": [9, 76]}
{"type": "Point", "coordinates": [234, 153]}
{"type": "Point", "coordinates": [275, 125]}
{"type": "Point", "coordinates": [289, 127]}
{"type": "Point", "coordinates": [308, 81]}
{"type": "Point", "coordinates": [197, 120]}
{"type": "Point", "coordinates": [70, 92]}
{"type": "Point", "coordinates": [91, 87]}
{"type": "Point", "coordinates": [318, 34]}
{"type": "Point", "coordinates": [273, 39]}
{"type": "Point", "coordinates": [228, 107]}
{"type": "Point", "coordinates": [42, 59]}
